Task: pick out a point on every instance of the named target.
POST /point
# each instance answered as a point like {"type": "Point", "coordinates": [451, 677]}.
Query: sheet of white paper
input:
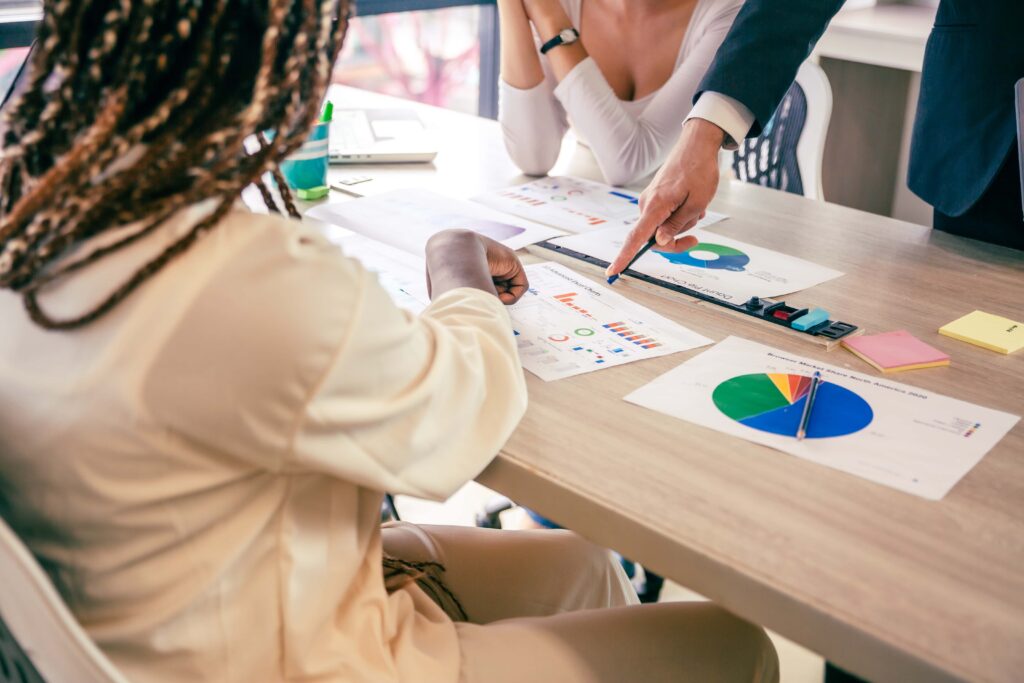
{"type": "Point", "coordinates": [566, 325]}
{"type": "Point", "coordinates": [402, 275]}
{"type": "Point", "coordinates": [406, 219]}
{"type": "Point", "coordinates": [718, 266]}
{"type": "Point", "coordinates": [573, 204]}
{"type": "Point", "coordinates": [883, 431]}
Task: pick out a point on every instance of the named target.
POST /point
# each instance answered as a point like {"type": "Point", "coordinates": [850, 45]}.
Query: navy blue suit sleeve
{"type": "Point", "coordinates": [760, 56]}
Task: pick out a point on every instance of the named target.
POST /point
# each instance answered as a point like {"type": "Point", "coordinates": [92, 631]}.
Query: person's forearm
{"type": "Point", "coordinates": [457, 258]}
{"type": "Point", "coordinates": [550, 18]}
{"type": "Point", "coordinates": [520, 63]}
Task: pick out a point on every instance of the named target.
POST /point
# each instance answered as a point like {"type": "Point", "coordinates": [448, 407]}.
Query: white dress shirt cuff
{"type": "Point", "coordinates": [727, 113]}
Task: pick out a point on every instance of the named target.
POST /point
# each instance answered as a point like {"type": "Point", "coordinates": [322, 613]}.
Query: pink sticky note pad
{"type": "Point", "coordinates": [895, 349]}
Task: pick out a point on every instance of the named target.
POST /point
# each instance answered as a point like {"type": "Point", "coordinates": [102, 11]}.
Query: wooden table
{"type": "Point", "coordinates": [884, 584]}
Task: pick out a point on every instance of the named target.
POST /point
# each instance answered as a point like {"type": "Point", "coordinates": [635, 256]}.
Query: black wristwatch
{"type": "Point", "coordinates": [566, 37]}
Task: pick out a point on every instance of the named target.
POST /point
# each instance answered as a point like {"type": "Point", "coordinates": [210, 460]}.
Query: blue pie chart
{"type": "Point", "coordinates": [774, 403]}
{"type": "Point", "coordinates": [708, 255]}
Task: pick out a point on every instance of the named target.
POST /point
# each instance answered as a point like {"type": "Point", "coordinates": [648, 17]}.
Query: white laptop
{"type": "Point", "coordinates": [379, 136]}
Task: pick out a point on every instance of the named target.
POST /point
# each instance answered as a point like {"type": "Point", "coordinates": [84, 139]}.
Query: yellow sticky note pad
{"type": "Point", "coordinates": [988, 331]}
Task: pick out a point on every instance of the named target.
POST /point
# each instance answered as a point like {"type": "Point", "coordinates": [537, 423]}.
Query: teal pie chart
{"type": "Point", "coordinates": [709, 255]}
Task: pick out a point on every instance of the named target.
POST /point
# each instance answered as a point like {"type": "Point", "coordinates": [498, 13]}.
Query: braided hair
{"type": "Point", "coordinates": [136, 109]}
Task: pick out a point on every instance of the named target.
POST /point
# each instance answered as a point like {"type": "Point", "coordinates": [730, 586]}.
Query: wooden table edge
{"type": "Point", "coordinates": [850, 647]}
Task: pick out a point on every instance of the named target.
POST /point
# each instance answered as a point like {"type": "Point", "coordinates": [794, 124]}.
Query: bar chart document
{"type": "Point", "coordinates": [889, 433]}
{"type": "Point", "coordinates": [717, 266]}
{"type": "Point", "coordinates": [566, 325]}
{"type": "Point", "coordinates": [406, 219]}
{"type": "Point", "coordinates": [573, 204]}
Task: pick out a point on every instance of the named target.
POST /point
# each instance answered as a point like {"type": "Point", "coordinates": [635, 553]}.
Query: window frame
{"type": "Point", "coordinates": [18, 22]}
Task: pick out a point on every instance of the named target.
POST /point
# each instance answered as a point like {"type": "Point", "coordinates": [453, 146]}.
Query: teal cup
{"type": "Point", "coordinates": [305, 170]}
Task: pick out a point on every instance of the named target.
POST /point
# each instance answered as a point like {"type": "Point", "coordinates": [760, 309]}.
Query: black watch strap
{"type": "Point", "coordinates": [569, 35]}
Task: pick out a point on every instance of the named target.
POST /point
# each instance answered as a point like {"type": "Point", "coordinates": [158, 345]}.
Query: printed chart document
{"type": "Point", "coordinates": [573, 204]}
{"type": "Point", "coordinates": [717, 266]}
{"type": "Point", "coordinates": [566, 325]}
{"type": "Point", "coordinates": [406, 219]}
{"type": "Point", "coordinates": [886, 432]}
{"type": "Point", "coordinates": [402, 275]}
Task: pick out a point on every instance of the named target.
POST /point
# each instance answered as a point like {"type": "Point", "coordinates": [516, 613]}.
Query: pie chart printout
{"type": "Point", "coordinates": [708, 255]}
{"type": "Point", "coordinates": [774, 403]}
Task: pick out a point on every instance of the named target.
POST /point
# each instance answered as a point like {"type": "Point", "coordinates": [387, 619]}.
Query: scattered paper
{"type": "Point", "coordinates": [573, 204]}
{"type": "Point", "coordinates": [402, 275]}
{"type": "Point", "coordinates": [889, 433]}
{"type": "Point", "coordinates": [566, 325]}
{"type": "Point", "coordinates": [406, 219]}
{"type": "Point", "coordinates": [718, 266]}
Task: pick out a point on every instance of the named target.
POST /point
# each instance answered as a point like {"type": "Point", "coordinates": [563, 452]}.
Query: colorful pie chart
{"type": "Point", "coordinates": [774, 403]}
{"type": "Point", "coordinates": [708, 255]}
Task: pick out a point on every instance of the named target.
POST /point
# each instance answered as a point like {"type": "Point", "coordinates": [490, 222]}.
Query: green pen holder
{"type": "Point", "coordinates": [305, 170]}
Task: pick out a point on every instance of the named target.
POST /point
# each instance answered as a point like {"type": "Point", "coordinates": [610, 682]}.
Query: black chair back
{"type": "Point", "coordinates": [770, 160]}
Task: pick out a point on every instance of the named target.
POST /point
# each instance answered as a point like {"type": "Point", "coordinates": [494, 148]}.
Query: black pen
{"type": "Point", "coordinates": [650, 243]}
{"type": "Point", "coordinates": [805, 419]}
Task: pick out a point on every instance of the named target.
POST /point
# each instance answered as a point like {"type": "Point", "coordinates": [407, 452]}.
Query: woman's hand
{"type": "Point", "coordinates": [507, 271]}
{"type": "Point", "coordinates": [463, 258]}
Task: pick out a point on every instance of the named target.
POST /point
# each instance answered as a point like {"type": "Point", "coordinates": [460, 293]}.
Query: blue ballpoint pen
{"type": "Point", "coordinates": [805, 419]}
{"type": "Point", "coordinates": [650, 243]}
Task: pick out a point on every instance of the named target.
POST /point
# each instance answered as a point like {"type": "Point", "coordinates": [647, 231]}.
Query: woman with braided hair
{"type": "Point", "coordinates": [199, 406]}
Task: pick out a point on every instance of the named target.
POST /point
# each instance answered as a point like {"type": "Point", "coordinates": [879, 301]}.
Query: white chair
{"type": "Point", "coordinates": [789, 152]}
{"type": "Point", "coordinates": [40, 641]}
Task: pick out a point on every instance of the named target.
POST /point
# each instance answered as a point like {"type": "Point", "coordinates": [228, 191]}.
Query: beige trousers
{"type": "Point", "coordinates": [548, 606]}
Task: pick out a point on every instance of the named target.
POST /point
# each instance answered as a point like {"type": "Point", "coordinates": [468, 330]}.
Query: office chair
{"type": "Point", "coordinates": [40, 641]}
{"type": "Point", "coordinates": [788, 154]}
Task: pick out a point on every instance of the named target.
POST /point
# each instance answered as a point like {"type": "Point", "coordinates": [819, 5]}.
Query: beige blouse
{"type": "Point", "coordinates": [200, 470]}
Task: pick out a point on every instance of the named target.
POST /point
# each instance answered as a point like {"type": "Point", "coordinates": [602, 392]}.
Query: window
{"type": "Point", "coordinates": [442, 52]}
{"type": "Point", "coordinates": [429, 56]}
{"type": "Point", "coordinates": [18, 22]}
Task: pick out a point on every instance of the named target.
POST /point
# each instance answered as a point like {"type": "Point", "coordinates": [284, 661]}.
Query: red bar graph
{"type": "Point", "coordinates": [525, 199]}
{"type": "Point", "coordinates": [569, 300]}
{"type": "Point", "coordinates": [629, 335]}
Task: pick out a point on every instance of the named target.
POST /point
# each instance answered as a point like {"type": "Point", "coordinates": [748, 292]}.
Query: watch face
{"type": "Point", "coordinates": [568, 35]}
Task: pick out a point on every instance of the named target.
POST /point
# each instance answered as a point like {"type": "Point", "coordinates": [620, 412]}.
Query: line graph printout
{"type": "Point", "coordinates": [566, 325]}
{"type": "Point", "coordinates": [573, 204]}
{"type": "Point", "coordinates": [406, 219]}
{"type": "Point", "coordinates": [718, 266]}
{"type": "Point", "coordinates": [883, 431]}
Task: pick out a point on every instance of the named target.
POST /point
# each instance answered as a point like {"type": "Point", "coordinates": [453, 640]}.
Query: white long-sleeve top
{"type": "Point", "coordinates": [200, 469]}
{"type": "Point", "coordinates": [629, 138]}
